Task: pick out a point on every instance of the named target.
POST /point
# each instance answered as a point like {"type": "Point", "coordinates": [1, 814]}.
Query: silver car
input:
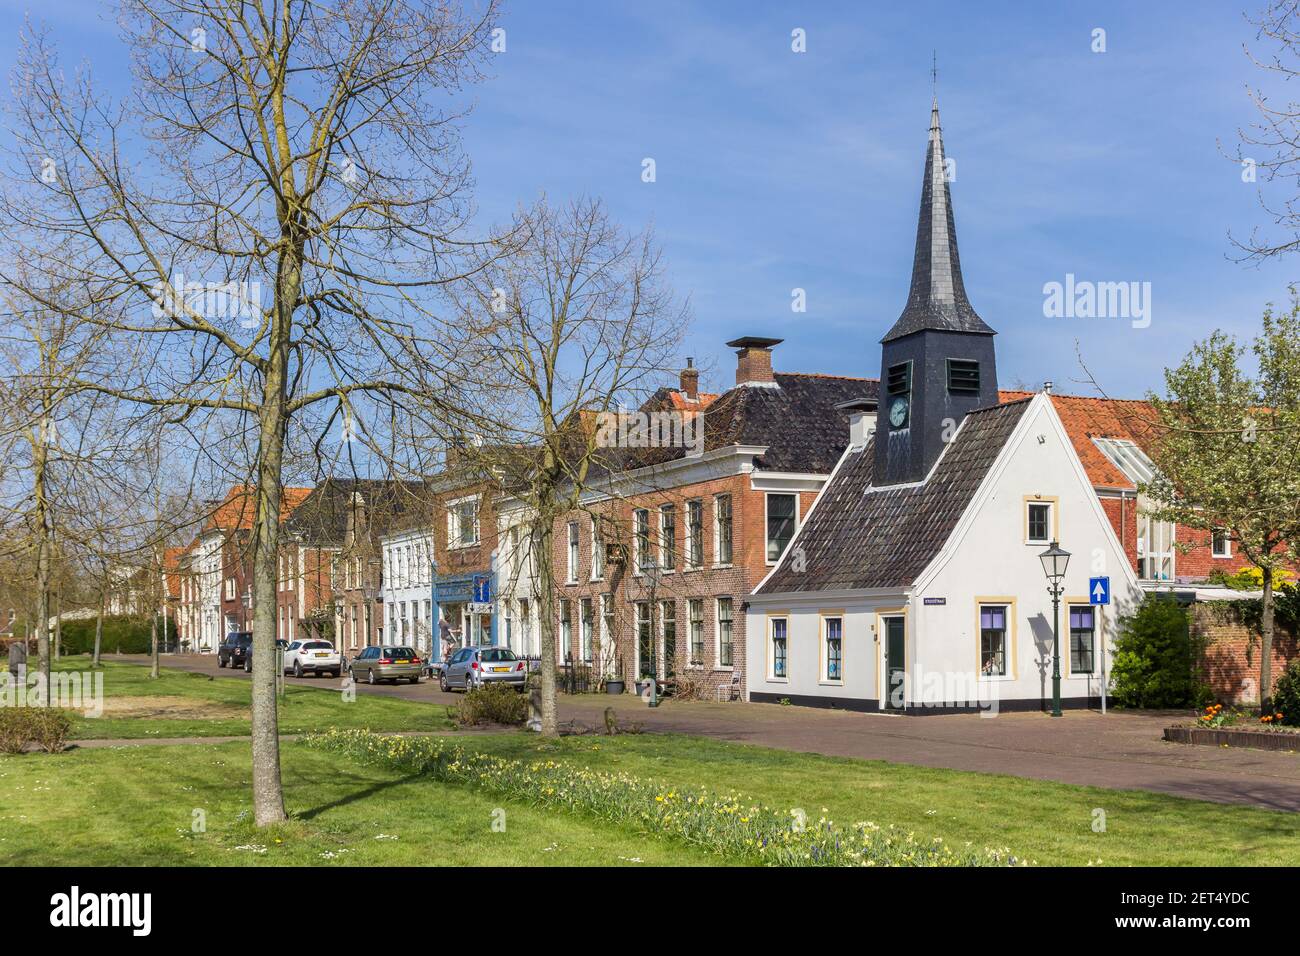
{"type": "Point", "coordinates": [475, 666]}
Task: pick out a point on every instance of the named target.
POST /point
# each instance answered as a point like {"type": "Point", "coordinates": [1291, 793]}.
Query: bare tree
{"type": "Point", "coordinates": [576, 324]}
{"type": "Point", "coordinates": [300, 147]}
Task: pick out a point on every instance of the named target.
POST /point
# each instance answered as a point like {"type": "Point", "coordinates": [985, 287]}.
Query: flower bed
{"type": "Point", "coordinates": [729, 824]}
{"type": "Point", "coordinates": [1231, 737]}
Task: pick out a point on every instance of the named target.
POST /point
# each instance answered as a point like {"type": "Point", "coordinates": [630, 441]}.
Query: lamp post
{"type": "Point", "coordinates": [652, 573]}
{"type": "Point", "coordinates": [1055, 561]}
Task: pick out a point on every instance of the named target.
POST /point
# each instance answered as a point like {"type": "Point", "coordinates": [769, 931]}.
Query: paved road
{"type": "Point", "coordinates": [1120, 750]}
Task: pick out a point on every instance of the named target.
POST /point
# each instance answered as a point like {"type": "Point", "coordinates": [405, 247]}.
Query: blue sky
{"type": "Point", "coordinates": [778, 170]}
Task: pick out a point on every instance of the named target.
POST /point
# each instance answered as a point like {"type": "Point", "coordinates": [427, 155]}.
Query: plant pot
{"type": "Point", "coordinates": [642, 687]}
{"type": "Point", "coordinates": [614, 687]}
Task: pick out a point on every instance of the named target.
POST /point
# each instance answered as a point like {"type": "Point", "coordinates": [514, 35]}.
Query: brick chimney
{"type": "Point", "coordinates": [754, 359]}
{"type": "Point", "coordinates": [690, 380]}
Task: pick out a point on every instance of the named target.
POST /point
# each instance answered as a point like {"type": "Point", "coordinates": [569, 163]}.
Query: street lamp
{"type": "Point", "coordinates": [653, 576]}
{"type": "Point", "coordinates": [1054, 563]}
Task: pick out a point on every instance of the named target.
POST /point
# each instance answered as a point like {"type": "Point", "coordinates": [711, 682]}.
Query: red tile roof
{"type": "Point", "coordinates": [237, 510]}
{"type": "Point", "coordinates": [1086, 418]}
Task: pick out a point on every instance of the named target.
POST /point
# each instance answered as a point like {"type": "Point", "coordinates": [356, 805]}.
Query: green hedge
{"type": "Point", "coordinates": [124, 634]}
{"type": "Point", "coordinates": [1155, 656]}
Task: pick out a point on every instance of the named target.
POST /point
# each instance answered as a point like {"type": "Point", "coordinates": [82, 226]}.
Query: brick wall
{"type": "Point", "coordinates": [706, 583]}
{"type": "Point", "coordinates": [1231, 656]}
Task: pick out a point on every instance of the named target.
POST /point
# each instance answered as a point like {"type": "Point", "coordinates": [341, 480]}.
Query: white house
{"type": "Point", "coordinates": [914, 582]}
{"type": "Point", "coordinates": [407, 593]}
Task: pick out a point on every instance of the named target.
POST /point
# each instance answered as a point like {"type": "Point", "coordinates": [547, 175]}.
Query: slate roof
{"type": "Point", "coordinates": [322, 517]}
{"type": "Point", "coordinates": [860, 536]}
{"type": "Point", "coordinates": [796, 420]}
{"type": "Point", "coordinates": [937, 299]}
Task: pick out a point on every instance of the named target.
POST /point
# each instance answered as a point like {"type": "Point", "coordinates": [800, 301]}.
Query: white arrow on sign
{"type": "Point", "coordinates": [1099, 592]}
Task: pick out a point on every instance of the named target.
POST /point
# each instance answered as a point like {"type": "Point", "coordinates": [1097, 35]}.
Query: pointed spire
{"type": "Point", "coordinates": [938, 297]}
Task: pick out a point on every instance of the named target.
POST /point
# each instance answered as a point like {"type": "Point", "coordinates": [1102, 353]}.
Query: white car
{"type": "Point", "coordinates": [312, 657]}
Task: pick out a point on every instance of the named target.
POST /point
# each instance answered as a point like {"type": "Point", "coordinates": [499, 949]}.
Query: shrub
{"type": "Point", "coordinates": [491, 704]}
{"type": "Point", "coordinates": [122, 634]}
{"type": "Point", "coordinates": [15, 729]}
{"type": "Point", "coordinates": [50, 729]}
{"type": "Point", "coordinates": [1286, 694]}
{"type": "Point", "coordinates": [729, 825]}
{"type": "Point", "coordinates": [1154, 657]}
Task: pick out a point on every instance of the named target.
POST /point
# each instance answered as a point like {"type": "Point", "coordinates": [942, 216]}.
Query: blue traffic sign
{"type": "Point", "coordinates": [1099, 590]}
{"type": "Point", "coordinates": [482, 588]}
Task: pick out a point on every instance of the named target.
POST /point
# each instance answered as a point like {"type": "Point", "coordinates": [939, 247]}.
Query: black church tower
{"type": "Point", "coordinates": [936, 363]}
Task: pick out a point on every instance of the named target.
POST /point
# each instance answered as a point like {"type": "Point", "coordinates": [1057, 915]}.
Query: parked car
{"type": "Point", "coordinates": [236, 651]}
{"type": "Point", "coordinates": [378, 663]}
{"type": "Point", "coordinates": [475, 666]}
{"type": "Point", "coordinates": [312, 657]}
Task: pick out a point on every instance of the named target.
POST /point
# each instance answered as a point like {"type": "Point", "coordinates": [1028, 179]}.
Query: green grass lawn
{"type": "Point", "coordinates": [182, 704]}
{"type": "Point", "coordinates": [134, 806]}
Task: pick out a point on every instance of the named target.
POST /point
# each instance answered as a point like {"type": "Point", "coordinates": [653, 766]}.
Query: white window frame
{"type": "Point", "coordinates": [454, 519]}
{"type": "Point", "coordinates": [666, 545]}
{"type": "Point", "coordinates": [717, 531]}
{"type": "Point", "coordinates": [640, 541]}
{"type": "Point", "coordinates": [767, 496]}
{"type": "Point", "coordinates": [1071, 604]}
{"type": "Point", "coordinates": [597, 553]}
{"type": "Point", "coordinates": [1217, 536]}
{"type": "Point", "coordinates": [1050, 504]}
{"type": "Point", "coordinates": [572, 555]}
{"type": "Point", "coordinates": [694, 541]}
{"type": "Point", "coordinates": [691, 620]}
{"type": "Point", "coordinates": [586, 628]}
{"type": "Point", "coordinates": [717, 632]}
{"type": "Point", "coordinates": [1008, 605]}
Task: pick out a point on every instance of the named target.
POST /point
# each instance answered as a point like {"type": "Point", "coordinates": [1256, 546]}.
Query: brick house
{"type": "Point", "coordinates": [658, 564]}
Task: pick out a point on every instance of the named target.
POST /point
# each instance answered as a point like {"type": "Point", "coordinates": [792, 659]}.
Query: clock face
{"type": "Point", "coordinates": [898, 412]}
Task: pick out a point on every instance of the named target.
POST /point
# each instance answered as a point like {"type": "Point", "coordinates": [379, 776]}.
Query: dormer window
{"type": "Point", "coordinates": [963, 377]}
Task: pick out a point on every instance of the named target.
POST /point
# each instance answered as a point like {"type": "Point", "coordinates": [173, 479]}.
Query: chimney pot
{"type": "Point", "coordinates": [1047, 386]}
{"type": "Point", "coordinates": [862, 420]}
{"type": "Point", "coordinates": [690, 380]}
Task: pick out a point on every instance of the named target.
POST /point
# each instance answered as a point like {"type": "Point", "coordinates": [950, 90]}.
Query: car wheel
{"type": "Point", "coordinates": [415, 679]}
{"type": "Point", "coordinates": [220, 662]}
{"type": "Point", "coordinates": [335, 672]}
{"type": "Point", "coordinates": [442, 683]}
{"type": "Point", "coordinates": [370, 676]}
{"type": "Point", "coordinates": [248, 666]}
{"type": "Point", "coordinates": [297, 668]}
{"type": "Point", "coordinates": [352, 675]}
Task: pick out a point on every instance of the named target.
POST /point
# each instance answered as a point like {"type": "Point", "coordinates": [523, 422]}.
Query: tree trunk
{"type": "Point", "coordinates": [153, 645]}
{"type": "Point", "coordinates": [43, 545]}
{"type": "Point", "coordinates": [58, 623]}
{"type": "Point", "coordinates": [99, 629]}
{"type": "Point", "coordinates": [1266, 646]}
{"type": "Point", "coordinates": [543, 535]}
{"type": "Point", "coordinates": [273, 414]}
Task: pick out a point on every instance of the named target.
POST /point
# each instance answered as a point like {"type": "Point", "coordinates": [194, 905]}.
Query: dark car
{"type": "Point", "coordinates": [236, 650]}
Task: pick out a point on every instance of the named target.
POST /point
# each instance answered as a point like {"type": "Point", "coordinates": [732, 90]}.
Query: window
{"type": "Point", "coordinates": [525, 639]}
{"type": "Point", "coordinates": [1155, 547]}
{"type": "Point", "coordinates": [1221, 544]}
{"type": "Point", "coordinates": [963, 377]}
{"type": "Point", "coordinates": [644, 648]}
{"type": "Point", "coordinates": [781, 517]}
{"type": "Point", "coordinates": [834, 652]}
{"type": "Point", "coordinates": [572, 571]}
{"type": "Point", "coordinates": [725, 646]}
{"type": "Point", "coordinates": [993, 640]}
{"type": "Point", "coordinates": [597, 552]}
{"type": "Point", "coordinates": [779, 642]}
{"type": "Point", "coordinates": [898, 380]}
{"type": "Point", "coordinates": [587, 623]}
{"type": "Point", "coordinates": [695, 633]}
{"type": "Point", "coordinates": [668, 537]}
{"type": "Point", "coordinates": [1082, 631]}
{"type": "Point", "coordinates": [462, 522]}
{"type": "Point", "coordinates": [641, 539]}
{"type": "Point", "coordinates": [230, 589]}
{"type": "Point", "coordinates": [668, 631]}
{"type": "Point", "coordinates": [1038, 522]}
{"type": "Point", "coordinates": [722, 528]}
{"type": "Point", "coordinates": [607, 625]}
{"type": "Point", "coordinates": [694, 534]}
{"type": "Point", "coordinates": [566, 630]}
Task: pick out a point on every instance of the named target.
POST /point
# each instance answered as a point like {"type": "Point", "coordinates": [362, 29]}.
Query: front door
{"type": "Point", "coordinates": [895, 672]}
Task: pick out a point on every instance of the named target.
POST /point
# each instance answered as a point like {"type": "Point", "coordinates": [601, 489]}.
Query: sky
{"type": "Point", "coordinates": [777, 170]}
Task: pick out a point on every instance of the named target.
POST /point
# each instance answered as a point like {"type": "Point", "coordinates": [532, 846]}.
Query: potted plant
{"type": "Point", "coordinates": [616, 684]}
